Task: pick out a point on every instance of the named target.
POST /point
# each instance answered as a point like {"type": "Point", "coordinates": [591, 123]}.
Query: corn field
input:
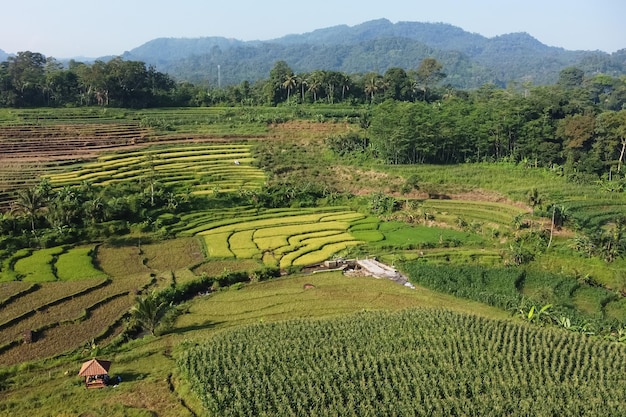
{"type": "Point", "coordinates": [408, 363]}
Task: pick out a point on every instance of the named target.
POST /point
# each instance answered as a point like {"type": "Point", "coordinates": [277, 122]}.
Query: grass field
{"type": "Point", "coordinates": [586, 205]}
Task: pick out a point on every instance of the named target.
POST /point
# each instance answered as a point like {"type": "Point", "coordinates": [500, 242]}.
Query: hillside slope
{"type": "Point", "coordinates": [469, 59]}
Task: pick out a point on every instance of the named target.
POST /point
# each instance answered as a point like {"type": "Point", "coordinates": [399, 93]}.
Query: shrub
{"type": "Point", "coordinates": [265, 273]}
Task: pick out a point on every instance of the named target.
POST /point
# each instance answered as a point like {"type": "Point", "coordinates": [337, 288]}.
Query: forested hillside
{"type": "Point", "coordinates": [471, 60]}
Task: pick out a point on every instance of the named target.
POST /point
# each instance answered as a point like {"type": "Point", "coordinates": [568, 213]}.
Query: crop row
{"type": "Point", "coordinates": [414, 362]}
{"type": "Point", "coordinates": [193, 223]}
{"type": "Point", "coordinates": [19, 312]}
{"type": "Point", "coordinates": [10, 291]}
{"type": "Point", "coordinates": [43, 117]}
{"type": "Point", "coordinates": [205, 167]}
{"type": "Point", "coordinates": [484, 211]}
{"type": "Point", "coordinates": [45, 294]}
{"type": "Point", "coordinates": [283, 237]}
{"type": "Point", "coordinates": [69, 307]}
{"type": "Point", "coordinates": [72, 332]}
{"type": "Point", "coordinates": [593, 213]}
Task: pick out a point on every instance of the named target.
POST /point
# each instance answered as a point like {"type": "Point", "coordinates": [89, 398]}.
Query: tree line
{"type": "Point", "coordinates": [548, 126]}
{"type": "Point", "coordinates": [579, 123]}
{"type": "Point", "coordinates": [29, 79]}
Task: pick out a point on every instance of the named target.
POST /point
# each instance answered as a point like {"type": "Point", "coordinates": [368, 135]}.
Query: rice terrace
{"type": "Point", "coordinates": [209, 252]}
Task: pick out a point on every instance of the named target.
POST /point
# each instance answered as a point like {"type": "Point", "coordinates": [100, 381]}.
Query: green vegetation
{"type": "Point", "coordinates": [38, 267]}
{"type": "Point", "coordinates": [411, 362]}
{"type": "Point", "coordinates": [585, 307]}
{"type": "Point", "coordinates": [77, 263]}
{"type": "Point", "coordinates": [111, 213]}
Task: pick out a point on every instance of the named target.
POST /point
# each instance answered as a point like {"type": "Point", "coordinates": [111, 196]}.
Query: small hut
{"type": "Point", "coordinates": [96, 373]}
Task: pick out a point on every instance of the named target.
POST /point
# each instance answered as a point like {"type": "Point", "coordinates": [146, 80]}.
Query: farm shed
{"type": "Point", "coordinates": [96, 373]}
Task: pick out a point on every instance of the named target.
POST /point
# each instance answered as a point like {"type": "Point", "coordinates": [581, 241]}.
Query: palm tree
{"type": "Point", "coordinates": [315, 84]}
{"type": "Point", "coordinates": [345, 85]}
{"type": "Point", "coordinates": [372, 86]}
{"type": "Point", "coordinates": [303, 83]}
{"type": "Point", "coordinates": [29, 201]}
{"type": "Point", "coordinates": [149, 311]}
{"type": "Point", "coordinates": [289, 83]}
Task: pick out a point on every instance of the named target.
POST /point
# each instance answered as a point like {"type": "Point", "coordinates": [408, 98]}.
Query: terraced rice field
{"type": "Point", "coordinates": [204, 168]}
{"type": "Point", "coordinates": [495, 214]}
{"type": "Point", "coordinates": [281, 237]}
{"type": "Point", "coordinates": [63, 315]}
{"type": "Point", "coordinates": [51, 264]}
{"type": "Point", "coordinates": [41, 142]}
{"type": "Point", "coordinates": [73, 302]}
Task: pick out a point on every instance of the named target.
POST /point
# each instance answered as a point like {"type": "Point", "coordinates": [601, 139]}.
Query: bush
{"type": "Point", "coordinates": [265, 273]}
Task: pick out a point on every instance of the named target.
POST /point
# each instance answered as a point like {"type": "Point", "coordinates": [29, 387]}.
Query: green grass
{"type": "Point", "coordinates": [611, 275]}
{"type": "Point", "coordinates": [7, 272]}
{"type": "Point", "coordinates": [334, 295]}
{"type": "Point", "coordinates": [591, 300]}
{"type": "Point", "coordinates": [242, 244]}
{"type": "Point", "coordinates": [77, 263]}
{"type": "Point", "coordinates": [38, 267]}
{"type": "Point", "coordinates": [217, 245]}
{"type": "Point", "coordinates": [513, 287]}
{"type": "Point", "coordinates": [400, 235]}
{"type": "Point", "coordinates": [586, 204]}
{"type": "Point", "coordinates": [497, 213]}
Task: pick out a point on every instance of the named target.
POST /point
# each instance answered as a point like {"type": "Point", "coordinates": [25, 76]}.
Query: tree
{"type": "Point", "coordinates": [611, 141]}
{"type": "Point", "coordinates": [428, 74]}
{"type": "Point", "coordinates": [274, 86]}
{"type": "Point", "coordinates": [126, 83]}
{"type": "Point", "coordinates": [393, 131]}
{"type": "Point", "coordinates": [64, 208]}
{"type": "Point", "coordinates": [303, 81]}
{"type": "Point", "coordinates": [373, 84]}
{"type": "Point", "coordinates": [571, 77]}
{"type": "Point", "coordinates": [578, 133]}
{"type": "Point", "coordinates": [31, 200]}
{"type": "Point", "coordinates": [289, 83]}
{"type": "Point", "coordinates": [315, 82]}
{"type": "Point", "coordinates": [399, 84]}
{"type": "Point", "coordinates": [345, 83]}
{"type": "Point", "coordinates": [149, 311]}
{"type": "Point", "coordinates": [27, 75]}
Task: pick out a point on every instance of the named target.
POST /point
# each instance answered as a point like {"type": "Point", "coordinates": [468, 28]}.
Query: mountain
{"type": "Point", "coordinates": [3, 56]}
{"type": "Point", "coordinates": [469, 59]}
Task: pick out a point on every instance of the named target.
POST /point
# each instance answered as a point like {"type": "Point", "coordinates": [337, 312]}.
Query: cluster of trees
{"type": "Point", "coordinates": [45, 216]}
{"type": "Point", "coordinates": [543, 127]}
{"type": "Point", "coordinates": [30, 79]}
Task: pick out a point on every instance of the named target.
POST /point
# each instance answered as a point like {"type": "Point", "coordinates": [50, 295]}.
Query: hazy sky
{"type": "Point", "coordinates": [71, 28]}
